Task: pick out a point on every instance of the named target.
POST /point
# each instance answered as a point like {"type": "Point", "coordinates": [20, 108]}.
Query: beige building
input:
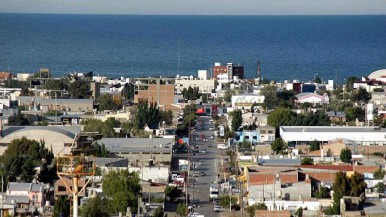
{"type": "Point", "coordinates": [63, 105]}
{"type": "Point", "coordinates": [57, 138]}
{"type": "Point", "coordinates": [205, 86]}
{"type": "Point", "coordinates": [159, 90]}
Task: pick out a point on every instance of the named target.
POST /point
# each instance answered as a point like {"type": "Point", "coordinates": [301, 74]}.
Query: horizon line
{"type": "Point", "coordinates": [225, 15]}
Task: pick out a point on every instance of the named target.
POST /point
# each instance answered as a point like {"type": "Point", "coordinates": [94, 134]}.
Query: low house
{"type": "Point", "coordinates": [267, 134]}
{"type": "Point", "coordinates": [28, 197]}
{"type": "Point", "coordinates": [312, 98]}
{"type": "Point", "coordinates": [337, 117]}
{"type": "Point", "coordinates": [251, 136]}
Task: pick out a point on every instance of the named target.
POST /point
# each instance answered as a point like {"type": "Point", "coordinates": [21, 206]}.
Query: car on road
{"type": "Point", "coordinates": [212, 136]}
{"type": "Point", "coordinates": [203, 151]}
{"type": "Point", "coordinates": [211, 128]}
{"type": "Point", "coordinates": [196, 214]}
{"type": "Point", "coordinates": [203, 173]}
{"type": "Point", "coordinates": [217, 208]}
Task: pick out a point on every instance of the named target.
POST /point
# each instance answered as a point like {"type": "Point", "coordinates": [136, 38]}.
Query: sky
{"type": "Point", "coordinates": [197, 7]}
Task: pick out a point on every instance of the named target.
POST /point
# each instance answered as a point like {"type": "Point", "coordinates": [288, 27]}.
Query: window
{"type": "Point", "coordinates": [254, 137]}
{"type": "Point", "coordinates": [246, 137]}
{"type": "Point", "coordinates": [61, 188]}
{"type": "Point", "coordinates": [35, 198]}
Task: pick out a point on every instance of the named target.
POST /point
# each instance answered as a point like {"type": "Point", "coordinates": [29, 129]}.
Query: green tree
{"type": "Point", "coordinates": [172, 192]}
{"type": "Point", "coordinates": [95, 207]}
{"type": "Point", "coordinates": [18, 120]}
{"type": "Point", "coordinates": [314, 145]}
{"type": "Point", "coordinates": [101, 150]}
{"type": "Point", "coordinates": [182, 209]}
{"type": "Point", "coordinates": [378, 90]}
{"type": "Point", "coordinates": [62, 207]}
{"type": "Point", "coordinates": [379, 174]}
{"type": "Point", "coordinates": [345, 155]}
{"type": "Point", "coordinates": [317, 80]}
{"type": "Point", "coordinates": [322, 193]}
{"type": "Point", "coordinates": [94, 125]}
{"type": "Point", "coordinates": [246, 145]}
{"type": "Point", "coordinates": [361, 95]}
{"type": "Point", "coordinates": [56, 84]}
{"type": "Point", "coordinates": [271, 100]}
{"type": "Point", "coordinates": [191, 93]}
{"type": "Point", "coordinates": [307, 161]}
{"type": "Point", "coordinates": [277, 145]}
{"type": "Point", "coordinates": [78, 88]}
{"type": "Point", "coordinates": [106, 102]}
{"type": "Point", "coordinates": [350, 82]}
{"type": "Point", "coordinates": [128, 91]}
{"type": "Point", "coordinates": [159, 212]}
{"type": "Point", "coordinates": [228, 95]}
{"type": "Point", "coordinates": [122, 189]}
{"type": "Point", "coordinates": [352, 113]}
{"type": "Point", "coordinates": [281, 117]}
{"type": "Point", "coordinates": [167, 116]}
{"type": "Point", "coordinates": [146, 114]}
{"type": "Point", "coordinates": [251, 210]}
{"type": "Point", "coordinates": [226, 201]}
{"type": "Point", "coordinates": [237, 119]}
{"type": "Point", "coordinates": [380, 187]}
{"type": "Point", "coordinates": [299, 212]}
{"type": "Point", "coordinates": [21, 156]}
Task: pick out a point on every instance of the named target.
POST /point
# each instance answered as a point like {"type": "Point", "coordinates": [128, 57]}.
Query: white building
{"type": "Point", "coordinates": [203, 74]}
{"type": "Point", "coordinates": [312, 98]}
{"type": "Point", "coordinates": [358, 135]}
{"type": "Point", "coordinates": [245, 101]}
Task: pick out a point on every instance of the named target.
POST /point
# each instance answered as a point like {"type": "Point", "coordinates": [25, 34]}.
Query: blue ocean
{"type": "Point", "coordinates": [288, 47]}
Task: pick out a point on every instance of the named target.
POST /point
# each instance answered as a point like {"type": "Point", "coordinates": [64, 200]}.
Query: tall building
{"type": "Point", "coordinates": [230, 70]}
{"type": "Point", "coordinates": [218, 69]}
{"type": "Point", "coordinates": [159, 90]}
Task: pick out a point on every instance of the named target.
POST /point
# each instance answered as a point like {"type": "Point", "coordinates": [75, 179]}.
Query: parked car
{"type": "Point", "coordinates": [203, 173]}
{"type": "Point", "coordinates": [217, 208]}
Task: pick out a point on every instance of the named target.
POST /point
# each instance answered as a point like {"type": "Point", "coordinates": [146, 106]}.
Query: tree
{"type": "Point", "coordinates": [18, 120]}
{"type": "Point", "coordinates": [380, 187]}
{"type": "Point", "coordinates": [322, 193]}
{"type": "Point", "coordinates": [56, 84]}
{"type": "Point", "coordinates": [246, 145]}
{"type": "Point", "coordinates": [317, 80]}
{"type": "Point", "coordinates": [128, 91]}
{"type": "Point", "coordinates": [122, 189]}
{"type": "Point", "coordinates": [314, 145]}
{"type": "Point", "coordinates": [307, 161]}
{"type": "Point", "coordinates": [172, 192]}
{"type": "Point", "coordinates": [106, 102]}
{"type": "Point", "coordinates": [105, 128]}
{"type": "Point", "coordinates": [277, 145]}
{"type": "Point", "coordinates": [78, 88]}
{"type": "Point", "coordinates": [21, 156]}
{"type": "Point", "coordinates": [378, 89]}
{"type": "Point", "coordinates": [159, 212]}
{"type": "Point", "coordinates": [101, 150]}
{"type": "Point", "coordinates": [182, 210]}
{"type": "Point", "coordinates": [354, 186]}
{"type": "Point", "coordinates": [62, 207]}
{"type": "Point", "coordinates": [146, 114]}
{"type": "Point", "coordinates": [352, 113]}
{"type": "Point", "coordinates": [252, 209]}
{"type": "Point", "coordinates": [345, 155]}
{"type": "Point", "coordinates": [379, 174]}
{"type": "Point", "coordinates": [299, 212]}
{"type": "Point", "coordinates": [167, 116]}
{"type": "Point", "coordinates": [361, 95]}
{"type": "Point", "coordinates": [191, 93]}
{"type": "Point", "coordinates": [237, 119]}
{"type": "Point", "coordinates": [350, 82]}
{"type": "Point", "coordinates": [226, 201]}
{"type": "Point", "coordinates": [270, 93]}
{"type": "Point", "coordinates": [281, 117]}
{"type": "Point", "coordinates": [95, 207]}
{"type": "Point", "coordinates": [228, 95]}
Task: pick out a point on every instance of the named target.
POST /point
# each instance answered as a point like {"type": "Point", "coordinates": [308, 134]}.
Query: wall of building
{"type": "Point", "coordinates": [205, 86]}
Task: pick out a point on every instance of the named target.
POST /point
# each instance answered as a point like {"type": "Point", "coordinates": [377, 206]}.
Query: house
{"type": "Point", "coordinates": [28, 197]}
{"type": "Point", "coordinates": [312, 98]}
{"type": "Point", "coordinates": [245, 101]}
{"type": "Point", "coordinates": [64, 188]}
{"type": "Point", "coordinates": [154, 174]}
{"type": "Point", "coordinates": [62, 105]}
{"type": "Point", "coordinates": [267, 134]}
{"type": "Point", "coordinates": [336, 117]}
{"type": "Point", "coordinates": [251, 136]}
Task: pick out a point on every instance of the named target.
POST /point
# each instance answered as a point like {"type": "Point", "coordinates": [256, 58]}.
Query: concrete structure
{"type": "Point", "coordinates": [62, 105]}
{"type": "Point", "coordinates": [143, 151]}
{"type": "Point", "coordinates": [359, 135]}
{"type": "Point", "coordinates": [57, 138]}
{"type": "Point", "coordinates": [245, 101]}
{"type": "Point", "coordinates": [23, 76]}
{"type": "Point", "coordinates": [95, 88]}
{"type": "Point", "coordinates": [205, 86]}
{"type": "Point", "coordinates": [158, 90]}
{"type": "Point", "coordinates": [267, 134]}
{"type": "Point", "coordinates": [379, 75]}
{"type": "Point", "coordinates": [312, 98]}
{"type": "Point", "coordinates": [203, 74]}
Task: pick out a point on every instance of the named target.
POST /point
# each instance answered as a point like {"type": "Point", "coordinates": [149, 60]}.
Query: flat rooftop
{"type": "Point", "coordinates": [332, 129]}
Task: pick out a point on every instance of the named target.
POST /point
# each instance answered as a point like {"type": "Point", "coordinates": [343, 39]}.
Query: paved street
{"type": "Point", "coordinates": [209, 164]}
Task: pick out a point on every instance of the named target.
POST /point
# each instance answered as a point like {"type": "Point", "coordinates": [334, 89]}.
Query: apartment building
{"type": "Point", "coordinates": [159, 90]}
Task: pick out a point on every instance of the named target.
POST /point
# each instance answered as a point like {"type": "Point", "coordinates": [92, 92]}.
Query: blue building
{"type": "Point", "coordinates": [252, 136]}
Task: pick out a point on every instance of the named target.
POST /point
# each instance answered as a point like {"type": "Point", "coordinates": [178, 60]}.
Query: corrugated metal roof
{"type": "Point", "coordinates": [17, 199]}
{"type": "Point", "coordinates": [317, 129]}
{"type": "Point", "coordinates": [138, 144]}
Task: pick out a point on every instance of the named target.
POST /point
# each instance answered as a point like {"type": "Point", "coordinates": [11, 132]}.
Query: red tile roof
{"type": "Point", "coordinates": [273, 213]}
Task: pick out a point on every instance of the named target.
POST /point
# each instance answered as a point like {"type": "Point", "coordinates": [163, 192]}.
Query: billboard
{"type": "Point", "coordinates": [183, 165]}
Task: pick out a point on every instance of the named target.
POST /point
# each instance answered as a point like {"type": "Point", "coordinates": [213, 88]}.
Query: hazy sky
{"type": "Point", "coordinates": [197, 7]}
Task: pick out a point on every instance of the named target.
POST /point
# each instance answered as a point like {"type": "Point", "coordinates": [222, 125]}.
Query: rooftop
{"type": "Point", "coordinates": [335, 129]}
